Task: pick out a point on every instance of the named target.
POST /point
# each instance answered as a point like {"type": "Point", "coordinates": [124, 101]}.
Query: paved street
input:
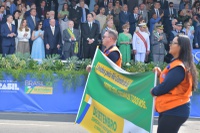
{"type": "Point", "coordinates": [61, 123]}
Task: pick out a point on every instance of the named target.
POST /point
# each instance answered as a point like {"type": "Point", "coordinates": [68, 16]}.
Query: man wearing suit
{"type": "Point", "coordinates": [131, 4]}
{"type": "Point", "coordinates": [124, 16]}
{"type": "Point", "coordinates": [46, 21]}
{"type": "Point", "coordinates": [52, 38]}
{"type": "Point", "coordinates": [104, 3]}
{"type": "Point", "coordinates": [164, 4]}
{"type": "Point", "coordinates": [52, 5]}
{"type": "Point", "coordinates": [71, 38]}
{"type": "Point", "coordinates": [32, 20]}
{"type": "Point", "coordinates": [156, 10]}
{"type": "Point", "coordinates": [133, 20]}
{"type": "Point", "coordinates": [84, 12]}
{"type": "Point", "coordinates": [143, 12]}
{"type": "Point", "coordinates": [8, 33]}
{"type": "Point", "coordinates": [75, 14]}
{"type": "Point", "coordinates": [41, 10]}
{"type": "Point", "coordinates": [109, 9]}
{"type": "Point", "coordinates": [90, 33]}
{"type": "Point", "coordinates": [169, 14]}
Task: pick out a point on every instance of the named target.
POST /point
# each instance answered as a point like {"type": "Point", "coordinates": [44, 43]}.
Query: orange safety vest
{"type": "Point", "coordinates": [114, 48]}
{"type": "Point", "coordinates": [177, 96]}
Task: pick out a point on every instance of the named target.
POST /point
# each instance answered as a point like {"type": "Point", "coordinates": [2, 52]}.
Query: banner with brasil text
{"type": "Point", "coordinates": [115, 101]}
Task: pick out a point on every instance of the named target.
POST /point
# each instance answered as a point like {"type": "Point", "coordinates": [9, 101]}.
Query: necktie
{"type": "Point", "coordinates": [53, 29]}
{"type": "Point", "coordinates": [157, 13]}
{"type": "Point", "coordinates": [141, 12]}
{"type": "Point", "coordinates": [90, 26]}
{"type": "Point", "coordinates": [83, 15]}
{"type": "Point", "coordinates": [34, 20]}
{"type": "Point", "coordinates": [10, 27]}
{"type": "Point", "coordinates": [1, 17]}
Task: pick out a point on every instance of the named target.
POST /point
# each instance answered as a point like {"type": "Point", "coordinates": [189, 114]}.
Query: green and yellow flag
{"type": "Point", "coordinates": [116, 101]}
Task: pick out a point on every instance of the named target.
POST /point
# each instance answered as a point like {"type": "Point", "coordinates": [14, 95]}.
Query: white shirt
{"type": "Point", "coordinates": [21, 36]}
{"type": "Point", "coordinates": [138, 44]}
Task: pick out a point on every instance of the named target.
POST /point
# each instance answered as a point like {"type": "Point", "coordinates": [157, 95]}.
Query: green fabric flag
{"type": "Point", "coordinates": [116, 101]}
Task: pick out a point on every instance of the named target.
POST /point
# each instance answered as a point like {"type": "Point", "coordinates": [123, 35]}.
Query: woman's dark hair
{"type": "Point", "coordinates": [63, 6]}
{"type": "Point", "coordinates": [15, 12]}
{"type": "Point", "coordinates": [37, 25]}
{"type": "Point", "coordinates": [186, 57]}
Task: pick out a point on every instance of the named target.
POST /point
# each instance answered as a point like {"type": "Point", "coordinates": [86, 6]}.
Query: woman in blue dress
{"type": "Point", "coordinates": [38, 43]}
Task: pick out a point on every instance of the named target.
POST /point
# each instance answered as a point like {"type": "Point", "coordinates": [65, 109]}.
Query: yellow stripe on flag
{"type": "Point", "coordinates": [100, 119]}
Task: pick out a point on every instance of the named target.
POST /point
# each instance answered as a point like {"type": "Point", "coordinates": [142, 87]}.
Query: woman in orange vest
{"type": "Point", "coordinates": [177, 81]}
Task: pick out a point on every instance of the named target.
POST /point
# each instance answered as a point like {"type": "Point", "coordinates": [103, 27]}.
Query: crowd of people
{"type": "Point", "coordinates": [76, 27]}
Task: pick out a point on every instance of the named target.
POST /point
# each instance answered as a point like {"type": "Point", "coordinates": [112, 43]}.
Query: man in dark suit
{"type": "Point", "coordinates": [103, 3]}
{"type": "Point", "coordinates": [84, 12]}
{"type": "Point", "coordinates": [109, 9]}
{"type": "Point", "coordinates": [6, 10]}
{"type": "Point", "coordinates": [71, 38]}
{"type": "Point", "coordinates": [52, 38]}
{"type": "Point", "coordinates": [124, 16]}
{"type": "Point", "coordinates": [41, 10]}
{"type": "Point", "coordinates": [52, 5]}
{"type": "Point", "coordinates": [75, 14]}
{"type": "Point", "coordinates": [46, 21]}
{"type": "Point", "coordinates": [133, 20]}
{"type": "Point", "coordinates": [164, 4]}
{"type": "Point", "coordinates": [32, 20]}
{"type": "Point", "coordinates": [131, 4]}
{"type": "Point", "coordinates": [156, 10]}
{"type": "Point", "coordinates": [90, 33]}
{"type": "Point", "coordinates": [8, 33]}
{"type": "Point", "coordinates": [169, 14]}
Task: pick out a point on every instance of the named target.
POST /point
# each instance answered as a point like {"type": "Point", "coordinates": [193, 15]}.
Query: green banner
{"type": "Point", "coordinates": [115, 100]}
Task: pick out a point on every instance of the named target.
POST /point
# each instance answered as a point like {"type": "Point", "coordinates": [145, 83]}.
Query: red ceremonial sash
{"type": "Point", "coordinates": [142, 38]}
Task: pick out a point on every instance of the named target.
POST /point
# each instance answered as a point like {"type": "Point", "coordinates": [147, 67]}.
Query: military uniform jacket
{"type": "Point", "coordinates": [138, 44]}
{"type": "Point", "coordinates": [158, 47]}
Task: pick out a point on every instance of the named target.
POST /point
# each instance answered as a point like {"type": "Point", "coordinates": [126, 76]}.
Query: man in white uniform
{"type": "Point", "coordinates": [141, 43]}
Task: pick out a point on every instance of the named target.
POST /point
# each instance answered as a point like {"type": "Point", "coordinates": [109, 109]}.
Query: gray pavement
{"type": "Point", "coordinates": [61, 123]}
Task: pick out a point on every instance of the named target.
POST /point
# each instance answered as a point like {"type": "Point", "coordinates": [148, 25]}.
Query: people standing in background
{"type": "Point", "coordinates": [123, 16]}
{"type": "Point", "coordinates": [96, 9]}
{"type": "Point", "coordinates": [37, 37]}
{"type": "Point", "coordinates": [90, 35]}
{"type": "Point", "coordinates": [177, 82]}
{"type": "Point", "coordinates": [188, 32]}
{"type": "Point", "coordinates": [92, 3]}
{"type": "Point", "coordinates": [124, 43]}
{"type": "Point", "coordinates": [117, 10]}
{"type": "Point", "coordinates": [141, 43]}
{"type": "Point", "coordinates": [8, 33]}
{"type": "Point", "coordinates": [52, 38]}
{"type": "Point", "coordinates": [101, 18]}
{"type": "Point", "coordinates": [75, 14]}
{"type": "Point", "coordinates": [13, 7]}
{"type": "Point", "coordinates": [61, 3]}
{"type": "Point", "coordinates": [155, 19]}
{"type": "Point", "coordinates": [63, 18]}
{"type": "Point", "coordinates": [46, 22]}
{"type": "Point", "coordinates": [158, 42]}
{"type": "Point", "coordinates": [16, 21]}
{"type": "Point", "coordinates": [24, 34]}
{"type": "Point", "coordinates": [71, 38]}
{"type": "Point", "coordinates": [133, 20]}
{"type": "Point", "coordinates": [32, 21]}
{"type": "Point", "coordinates": [143, 12]}
{"type": "Point", "coordinates": [41, 10]}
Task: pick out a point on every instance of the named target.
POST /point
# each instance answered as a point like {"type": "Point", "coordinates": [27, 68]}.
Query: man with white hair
{"type": "Point", "coordinates": [71, 39]}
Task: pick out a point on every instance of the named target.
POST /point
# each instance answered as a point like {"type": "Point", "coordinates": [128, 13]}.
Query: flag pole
{"type": "Point", "coordinates": [153, 107]}
{"type": "Point", "coordinates": [86, 83]}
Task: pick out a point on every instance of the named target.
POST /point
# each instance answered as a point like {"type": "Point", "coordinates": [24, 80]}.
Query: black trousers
{"type": "Point", "coordinates": [50, 52]}
{"type": "Point", "coordinates": [169, 123]}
